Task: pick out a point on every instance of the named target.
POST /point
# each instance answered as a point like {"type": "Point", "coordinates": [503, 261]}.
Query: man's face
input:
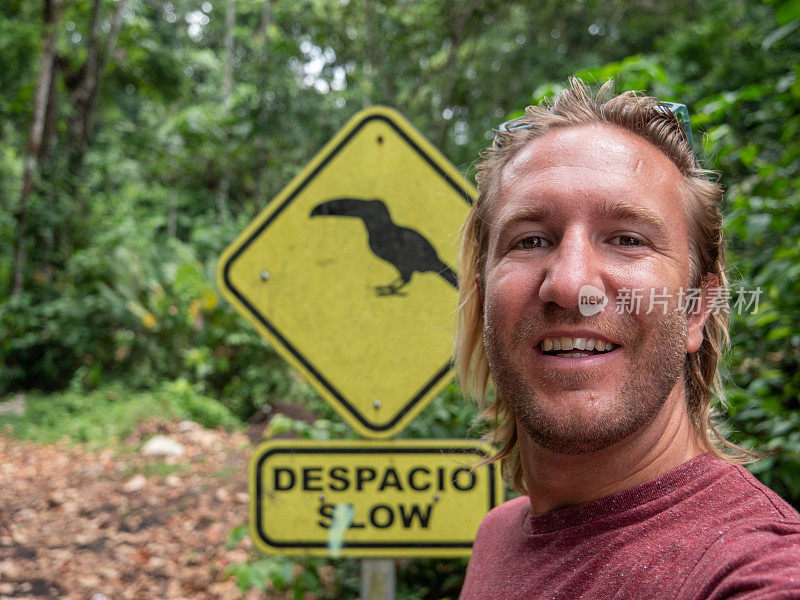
{"type": "Point", "coordinates": [587, 205]}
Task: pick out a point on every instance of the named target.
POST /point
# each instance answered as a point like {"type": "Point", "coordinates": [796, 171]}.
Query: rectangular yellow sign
{"type": "Point", "coordinates": [366, 498]}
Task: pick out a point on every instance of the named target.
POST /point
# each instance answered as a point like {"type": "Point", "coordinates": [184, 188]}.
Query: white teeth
{"type": "Point", "coordinates": [580, 343]}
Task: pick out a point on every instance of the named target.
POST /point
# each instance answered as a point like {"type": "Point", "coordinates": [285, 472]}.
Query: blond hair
{"type": "Point", "coordinates": [701, 193]}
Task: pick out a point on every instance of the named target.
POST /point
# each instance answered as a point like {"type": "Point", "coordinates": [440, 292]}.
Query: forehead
{"type": "Point", "coordinates": [569, 167]}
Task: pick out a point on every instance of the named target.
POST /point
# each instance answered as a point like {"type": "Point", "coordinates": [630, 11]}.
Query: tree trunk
{"type": "Point", "coordinates": [261, 123]}
{"type": "Point", "coordinates": [51, 115]}
{"type": "Point", "coordinates": [41, 100]}
{"type": "Point", "coordinates": [227, 87]}
{"type": "Point", "coordinates": [227, 80]}
{"type": "Point", "coordinates": [84, 87]}
{"type": "Point", "coordinates": [90, 78]}
{"type": "Point", "coordinates": [86, 91]}
{"type": "Point", "coordinates": [266, 17]}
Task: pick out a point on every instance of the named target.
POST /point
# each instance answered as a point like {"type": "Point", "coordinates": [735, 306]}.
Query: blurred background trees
{"type": "Point", "coordinates": [138, 137]}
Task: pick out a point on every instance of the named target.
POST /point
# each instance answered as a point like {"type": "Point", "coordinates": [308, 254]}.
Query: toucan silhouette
{"type": "Point", "coordinates": [407, 250]}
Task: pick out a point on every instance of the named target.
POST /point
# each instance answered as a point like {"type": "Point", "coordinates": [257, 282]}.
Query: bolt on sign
{"type": "Point", "coordinates": [350, 271]}
{"type": "Point", "coordinates": [371, 498]}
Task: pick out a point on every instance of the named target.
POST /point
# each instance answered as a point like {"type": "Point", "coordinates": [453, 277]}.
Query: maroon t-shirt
{"type": "Point", "coordinates": [707, 529]}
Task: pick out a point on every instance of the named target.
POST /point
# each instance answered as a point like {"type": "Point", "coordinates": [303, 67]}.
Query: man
{"type": "Point", "coordinates": [593, 229]}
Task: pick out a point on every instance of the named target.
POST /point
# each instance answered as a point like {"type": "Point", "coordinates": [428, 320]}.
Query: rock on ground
{"type": "Point", "coordinates": [161, 445]}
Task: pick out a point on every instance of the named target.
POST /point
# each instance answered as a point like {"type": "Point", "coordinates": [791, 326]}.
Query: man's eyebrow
{"type": "Point", "coordinates": [624, 211]}
{"type": "Point", "coordinates": [528, 213]}
{"type": "Point", "coordinates": [610, 211]}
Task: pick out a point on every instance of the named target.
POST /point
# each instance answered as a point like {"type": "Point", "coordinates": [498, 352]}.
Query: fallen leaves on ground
{"type": "Point", "coordinates": [117, 524]}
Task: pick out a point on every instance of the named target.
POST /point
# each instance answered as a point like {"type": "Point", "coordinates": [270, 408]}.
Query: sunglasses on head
{"type": "Point", "coordinates": [676, 109]}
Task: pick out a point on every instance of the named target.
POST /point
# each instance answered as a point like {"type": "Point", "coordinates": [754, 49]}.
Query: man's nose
{"type": "Point", "coordinates": [575, 263]}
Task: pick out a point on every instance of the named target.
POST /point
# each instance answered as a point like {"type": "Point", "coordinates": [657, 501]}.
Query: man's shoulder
{"type": "Point", "coordinates": [510, 510]}
{"type": "Point", "coordinates": [723, 499]}
{"type": "Point", "coordinates": [500, 540]}
{"type": "Point", "coordinates": [751, 540]}
{"type": "Point", "coordinates": [508, 516]}
{"type": "Point", "coordinates": [741, 498]}
{"type": "Point", "coordinates": [758, 555]}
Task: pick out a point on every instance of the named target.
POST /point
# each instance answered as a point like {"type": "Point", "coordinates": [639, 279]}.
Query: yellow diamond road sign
{"type": "Point", "coordinates": [350, 271]}
{"type": "Point", "coordinates": [371, 498]}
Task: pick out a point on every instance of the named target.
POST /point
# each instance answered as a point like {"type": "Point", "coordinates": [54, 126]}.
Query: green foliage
{"type": "Point", "coordinates": [102, 417]}
{"type": "Point", "coordinates": [753, 130]}
{"type": "Point", "coordinates": [143, 312]}
{"type": "Point", "coordinates": [278, 571]}
{"type": "Point", "coordinates": [322, 429]}
{"type": "Point", "coordinates": [450, 415]}
{"type": "Point", "coordinates": [421, 579]}
{"type": "Point", "coordinates": [206, 411]}
{"type": "Point", "coordinates": [297, 577]}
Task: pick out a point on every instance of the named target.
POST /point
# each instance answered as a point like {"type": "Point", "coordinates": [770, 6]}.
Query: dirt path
{"type": "Point", "coordinates": [118, 524]}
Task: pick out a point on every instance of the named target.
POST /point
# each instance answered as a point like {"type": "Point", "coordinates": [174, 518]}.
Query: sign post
{"type": "Point", "coordinates": [378, 579]}
{"type": "Point", "coordinates": [350, 274]}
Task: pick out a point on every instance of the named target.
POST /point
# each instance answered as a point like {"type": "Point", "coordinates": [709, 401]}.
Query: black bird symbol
{"type": "Point", "coordinates": [407, 250]}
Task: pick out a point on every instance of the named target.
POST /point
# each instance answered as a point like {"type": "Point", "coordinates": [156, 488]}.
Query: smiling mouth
{"type": "Point", "coordinates": [580, 347]}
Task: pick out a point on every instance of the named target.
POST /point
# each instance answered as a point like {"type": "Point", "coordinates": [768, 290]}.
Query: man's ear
{"type": "Point", "coordinates": [709, 300]}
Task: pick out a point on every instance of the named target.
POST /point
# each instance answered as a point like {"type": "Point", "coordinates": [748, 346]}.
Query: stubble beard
{"type": "Point", "coordinates": [655, 366]}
